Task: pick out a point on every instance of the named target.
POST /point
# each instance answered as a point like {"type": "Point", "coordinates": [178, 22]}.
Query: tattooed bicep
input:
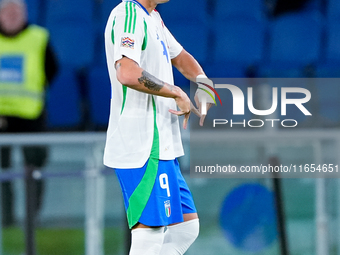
{"type": "Point", "coordinates": [124, 61]}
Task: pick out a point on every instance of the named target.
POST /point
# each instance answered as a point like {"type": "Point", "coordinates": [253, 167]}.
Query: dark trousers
{"type": "Point", "coordinates": [34, 158]}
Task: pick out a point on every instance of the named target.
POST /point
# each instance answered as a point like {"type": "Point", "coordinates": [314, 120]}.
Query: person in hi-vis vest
{"type": "Point", "coordinates": [27, 65]}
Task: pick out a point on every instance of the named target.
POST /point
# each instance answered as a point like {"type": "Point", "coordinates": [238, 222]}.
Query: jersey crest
{"type": "Point", "coordinates": [167, 208]}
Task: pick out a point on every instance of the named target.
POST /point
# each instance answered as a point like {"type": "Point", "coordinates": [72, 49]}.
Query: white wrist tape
{"type": "Point", "coordinates": [204, 93]}
{"type": "Point", "coordinates": [201, 76]}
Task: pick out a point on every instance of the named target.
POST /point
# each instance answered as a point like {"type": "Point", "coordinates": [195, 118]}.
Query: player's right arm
{"type": "Point", "coordinates": [125, 37]}
{"type": "Point", "coordinates": [130, 74]}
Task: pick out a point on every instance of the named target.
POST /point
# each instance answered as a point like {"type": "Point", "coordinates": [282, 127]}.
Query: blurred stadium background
{"type": "Point", "coordinates": [83, 210]}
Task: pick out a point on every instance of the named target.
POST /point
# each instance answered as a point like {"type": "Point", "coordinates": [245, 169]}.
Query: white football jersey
{"type": "Point", "coordinates": [139, 121]}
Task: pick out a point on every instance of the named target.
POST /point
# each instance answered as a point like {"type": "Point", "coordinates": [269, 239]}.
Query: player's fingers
{"type": "Point", "coordinates": [202, 120]}
{"type": "Point", "coordinates": [198, 104]}
{"type": "Point", "coordinates": [185, 121]}
{"type": "Point", "coordinates": [178, 113]}
{"type": "Point", "coordinates": [209, 105]}
{"type": "Point", "coordinates": [195, 110]}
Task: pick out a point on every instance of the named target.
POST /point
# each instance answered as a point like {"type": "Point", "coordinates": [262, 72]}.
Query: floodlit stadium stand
{"type": "Point", "coordinates": [229, 38]}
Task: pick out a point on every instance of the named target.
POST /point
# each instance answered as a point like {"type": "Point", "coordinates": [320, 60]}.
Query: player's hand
{"type": "Point", "coordinates": [204, 100]}
{"type": "Point", "coordinates": [200, 104]}
{"type": "Point", "coordinates": [185, 108]}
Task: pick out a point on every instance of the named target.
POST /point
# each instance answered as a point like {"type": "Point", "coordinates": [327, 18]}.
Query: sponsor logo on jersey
{"type": "Point", "coordinates": [167, 208]}
{"type": "Point", "coordinates": [128, 43]}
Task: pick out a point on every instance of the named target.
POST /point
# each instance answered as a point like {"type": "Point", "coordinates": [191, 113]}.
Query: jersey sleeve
{"type": "Point", "coordinates": [128, 34]}
{"type": "Point", "coordinates": [175, 47]}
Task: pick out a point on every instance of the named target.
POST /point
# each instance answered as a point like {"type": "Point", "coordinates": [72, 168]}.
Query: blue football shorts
{"type": "Point", "coordinates": [155, 194]}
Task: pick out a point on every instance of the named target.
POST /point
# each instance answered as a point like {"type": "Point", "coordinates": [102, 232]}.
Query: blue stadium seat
{"type": "Point", "coordinates": [314, 5]}
{"type": "Point", "coordinates": [225, 70]}
{"type": "Point", "coordinates": [73, 41]}
{"type": "Point", "coordinates": [329, 66]}
{"type": "Point", "coordinates": [333, 9]}
{"type": "Point", "coordinates": [106, 6]}
{"type": "Point", "coordinates": [327, 70]}
{"type": "Point", "coordinates": [281, 70]}
{"type": "Point", "coordinates": [100, 56]}
{"type": "Point", "coordinates": [332, 53]}
{"type": "Point", "coordinates": [238, 39]}
{"type": "Point", "coordinates": [63, 102]}
{"type": "Point", "coordinates": [194, 37]}
{"type": "Point", "coordinates": [188, 10]}
{"type": "Point", "coordinates": [328, 94]}
{"type": "Point", "coordinates": [33, 10]}
{"type": "Point", "coordinates": [295, 44]}
{"type": "Point", "coordinates": [99, 92]}
{"type": "Point", "coordinates": [57, 9]}
{"type": "Point", "coordinates": [247, 8]}
{"type": "Point", "coordinates": [72, 31]}
{"type": "Point", "coordinates": [296, 39]}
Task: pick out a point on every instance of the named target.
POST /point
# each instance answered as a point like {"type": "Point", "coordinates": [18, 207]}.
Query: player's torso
{"type": "Point", "coordinates": [156, 57]}
{"type": "Point", "coordinates": [131, 125]}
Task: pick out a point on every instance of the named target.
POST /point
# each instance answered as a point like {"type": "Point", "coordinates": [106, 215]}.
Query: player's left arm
{"type": "Point", "coordinates": [187, 65]}
{"type": "Point", "coordinates": [191, 69]}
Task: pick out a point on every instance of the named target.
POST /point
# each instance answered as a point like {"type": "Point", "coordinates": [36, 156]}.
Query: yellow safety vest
{"type": "Point", "coordinates": [22, 73]}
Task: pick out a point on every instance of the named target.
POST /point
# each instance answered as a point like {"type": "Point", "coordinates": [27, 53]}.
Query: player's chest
{"type": "Point", "coordinates": [157, 44]}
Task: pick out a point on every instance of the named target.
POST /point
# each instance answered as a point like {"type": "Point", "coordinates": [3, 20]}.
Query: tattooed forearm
{"type": "Point", "coordinates": [170, 87]}
{"type": "Point", "coordinates": [151, 82]}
